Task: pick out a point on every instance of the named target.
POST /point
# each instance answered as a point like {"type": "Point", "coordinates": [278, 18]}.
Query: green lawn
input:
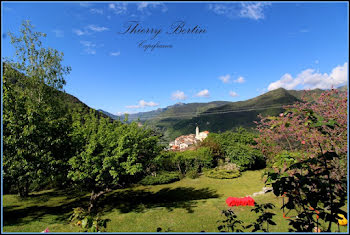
{"type": "Point", "coordinates": [189, 205]}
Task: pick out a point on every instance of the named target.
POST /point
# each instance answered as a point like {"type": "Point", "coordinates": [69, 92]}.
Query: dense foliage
{"type": "Point", "coordinates": [238, 147]}
{"type": "Point", "coordinates": [307, 125]}
{"type": "Point", "coordinates": [160, 178]}
{"type": "Point", "coordinates": [35, 121]}
{"type": "Point", "coordinates": [311, 173]}
{"type": "Point", "coordinates": [109, 153]}
{"type": "Point", "coordinates": [227, 171]}
{"type": "Point", "coordinates": [186, 162]}
{"type": "Point", "coordinates": [217, 173]}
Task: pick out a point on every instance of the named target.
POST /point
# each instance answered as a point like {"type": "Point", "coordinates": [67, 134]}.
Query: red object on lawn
{"type": "Point", "coordinates": [243, 201]}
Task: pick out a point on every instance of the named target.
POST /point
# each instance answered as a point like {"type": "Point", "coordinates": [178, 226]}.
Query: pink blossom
{"type": "Point", "coordinates": [276, 136]}
{"type": "Point", "coordinates": [46, 230]}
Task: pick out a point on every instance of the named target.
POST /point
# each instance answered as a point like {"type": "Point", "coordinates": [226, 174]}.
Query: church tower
{"type": "Point", "coordinates": [197, 132]}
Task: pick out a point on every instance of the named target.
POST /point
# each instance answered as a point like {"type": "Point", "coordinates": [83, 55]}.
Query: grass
{"type": "Point", "coordinates": [189, 205]}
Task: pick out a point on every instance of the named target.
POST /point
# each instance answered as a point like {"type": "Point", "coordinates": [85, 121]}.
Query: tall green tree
{"type": "Point", "coordinates": [35, 120]}
{"type": "Point", "coordinates": [110, 153]}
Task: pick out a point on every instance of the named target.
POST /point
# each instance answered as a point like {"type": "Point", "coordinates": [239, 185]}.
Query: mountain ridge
{"type": "Point", "coordinates": [218, 116]}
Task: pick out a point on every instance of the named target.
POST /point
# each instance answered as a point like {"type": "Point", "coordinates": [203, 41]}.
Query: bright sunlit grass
{"type": "Point", "coordinates": [189, 205]}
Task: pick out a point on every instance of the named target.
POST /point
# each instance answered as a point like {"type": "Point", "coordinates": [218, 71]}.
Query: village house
{"type": "Point", "coordinates": [184, 141]}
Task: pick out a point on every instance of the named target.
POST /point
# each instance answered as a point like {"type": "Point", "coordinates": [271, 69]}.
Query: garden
{"type": "Point", "coordinates": [70, 170]}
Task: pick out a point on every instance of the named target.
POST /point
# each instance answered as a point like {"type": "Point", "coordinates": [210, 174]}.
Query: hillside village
{"type": "Point", "coordinates": [185, 141]}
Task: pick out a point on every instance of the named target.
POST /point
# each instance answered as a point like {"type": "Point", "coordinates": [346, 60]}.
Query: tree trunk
{"type": "Point", "coordinates": [93, 199]}
{"type": "Point", "coordinates": [26, 189]}
{"type": "Point", "coordinates": [23, 190]}
{"type": "Point", "coordinates": [178, 166]}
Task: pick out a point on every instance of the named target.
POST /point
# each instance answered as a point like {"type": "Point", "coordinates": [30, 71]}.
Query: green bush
{"type": "Point", "coordinates": [164, 162]}
{"type": "Point", "coordinates": [88, 223]}
{"type": "Point", "coordinates": [78, 214]}
{"type": "Point", "coordinates": [160, 178]}
{"type": "Point", "coordinates": [238, 147]}
{"type": "Point", "coordinates": [223, 173]}
{"type": "Point", "coordinates": [193, 159]}
{"type": "Point", "coordinates": [245, 156]}
{"type": "Point", "coordinates": [285, 159]}
{"type": "Point", "coordinates": [192, 174]}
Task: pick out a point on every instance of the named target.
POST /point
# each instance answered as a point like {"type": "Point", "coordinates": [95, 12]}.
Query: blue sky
{"type": "Point", "coordinates": [246, 49]}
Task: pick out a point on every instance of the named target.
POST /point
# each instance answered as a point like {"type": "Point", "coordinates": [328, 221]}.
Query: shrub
{"type": "Point", "coordinates": [192, 174]}
{"type": "Point", "coordinates": [222, 173]}
{"type": "Point", "coordinates": [88, 223]}
{"type": "Point", "coordinates": [197, 159]}
{"type": "Point", "coordinates": [245, 156]}
{"type": "Point", "coordinates": [285, 159]}
{"type": "Point", "coordinates": [239, 148]}
{"type": "Point", "coordinates": [229, 167]}
{"type": "Point", "coordinates": [310, 175]}
{"type": "Point", "coordinates": [160, 178]}
{"type": "Point", "coordinates": [78, 214]}
{"type": "Point", "coordinates": [163, 162]}
{"type": "Point", "coordinates": [306, 127]}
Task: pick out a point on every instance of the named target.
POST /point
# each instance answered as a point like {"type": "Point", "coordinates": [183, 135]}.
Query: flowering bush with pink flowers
{"type": "Point", "coordinates": [306, 148]}
{"type": "Point", "coordinates": [307, 127]}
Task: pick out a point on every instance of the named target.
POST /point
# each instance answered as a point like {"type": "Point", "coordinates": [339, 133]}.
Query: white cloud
{"type": "Point", "coordinates": [309, 79]}
{"type": "Point", "coordinates": [286, 82]}
{"type": "Point", "coordinates": [96, 11]}
{"type": "Point", "coordinates": [144, 6]}
{"type": "Point", "coordinates": [115, 53]}
{"type": "Point", "coordinates": [118, 8]}
{"type": "Point", "coordinates": [178, 95]}
{"type": "Point", "coordinates": [59, 33]}
{"type": "Point", "coordinates": [251, 10]}
{"type": "Point", "coordinates": [225, 78]}
{"type": "Point", "coordinates": [240, 80]}
{"type": "Point", "coordinates": [228, 79]}
{"type": "Point", "coordinates": [233, 94]}
{"type": "Point", "coordinates": [78, 32]}
{"type": "Point", "coordinates": [203, 93]}
{"type": "Point", "coordinates": [90, 48]}
{"type": "Point", "coordinates": [87, 43]}
{"type": "Point", "coordinates": [89, 30]}
{"type": "Point", "coordinates": [221, 9]}
{"type": "Point", "coordinates": [96, 28]}
{"type": "Point", "coordinates": [142, 104]}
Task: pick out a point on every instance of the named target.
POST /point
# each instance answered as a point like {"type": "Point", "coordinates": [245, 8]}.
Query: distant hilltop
{"type": "Point", "coordinates": [218, 116]}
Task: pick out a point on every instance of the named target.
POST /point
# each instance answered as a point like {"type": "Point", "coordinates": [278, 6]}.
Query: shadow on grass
{"type": "Point", "coordinates": [44, 196]}
{"type": "Point", "coordinates": [60, 209]}
{"type": "Point", "coordinates": [128, 200]}
{"type": "Point", "coordinates": [140, 200]}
